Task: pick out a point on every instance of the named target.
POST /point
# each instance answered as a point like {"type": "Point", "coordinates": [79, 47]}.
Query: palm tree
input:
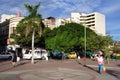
{"type": "Point", "coordinates": [33, 24]}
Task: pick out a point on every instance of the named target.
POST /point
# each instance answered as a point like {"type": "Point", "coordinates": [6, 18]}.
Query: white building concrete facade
{"type": "Point", "coordinates": [49, 22]}
{"type": "Point", "coordinates": [95, 21]}
{"type": "Point", "coordinates": [61, 21]}
{"type": "Point", "coordinates": [5, 17]}
{"type": "Point", "coordinates": [13, 24]}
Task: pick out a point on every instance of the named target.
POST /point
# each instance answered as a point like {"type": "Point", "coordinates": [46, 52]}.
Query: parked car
{"type": "Point", "coordinates": [89, 54]}
{"type": "Point", "coordinates": [117, 55]}
{"type": "Point", "coordinates": [71, 55]}
{"type": "Point", "coordinates": [59, 55]}
{"type": "Point", "coordinates": [38, 54]}
{"type": "Point", "coordinates": [5, 55]}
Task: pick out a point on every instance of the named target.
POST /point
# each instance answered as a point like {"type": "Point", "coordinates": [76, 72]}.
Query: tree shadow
{"type": "Point", "coordinates": [36, 62]}
{"type": "Point", "coordinates": [118, 65]}
{"type": "Point", "coordinates": [87, 66]}
{"type": "Point", "coordinates": [22, 63]}
{"type": "Point", "coordinates": [7, 69]}
{"type": "Point", "coordinates": [114, 73]}
{"type": "Point", "coordinates": [91, 68]}
{"type": "Point", "coordinates": [17, 65]}
{"type": "Point", "coordinates": [3, 62]}
{"type": "Point", "coordinates": [78, 62]}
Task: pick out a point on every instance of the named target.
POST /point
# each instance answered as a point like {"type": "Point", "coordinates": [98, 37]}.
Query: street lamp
{"type": "Point", "coordinates": [32, 60]}
{"type": "Point", "coordinates": [85, 44]}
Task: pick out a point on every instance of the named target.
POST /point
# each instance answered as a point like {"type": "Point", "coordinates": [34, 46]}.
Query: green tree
{"type": "Point", "coordinates": [30, 26]}
{"type": "Point", "coordinates": [67, 37]}
{"type": "Point", "coordinates": [98, 42]}
{"type": "Point", "coordinates": [71, 37]}
{"type": "Point", "coordinates": [24, 41]}
{"type": "Point", "coordinates": [116, 48]}
{"type": "Point", "coordinates": [33, 23]}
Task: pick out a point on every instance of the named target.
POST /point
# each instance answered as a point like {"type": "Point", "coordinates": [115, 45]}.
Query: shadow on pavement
{"type": "Point", "coordinates": [11, 67]}
{"type": "Point", "coordinates": [118, 65]}
{"type": "Point", "coordinates": [78, 62]}
{"type": "Point", "coordinates": [86, 66]}
{"type": "Point", "coordinates": [3, 62]}
{"type": "Point", "coordinates": [7, 69]}
{"type": "Point", "coordinates": [22, 63]}
{"type": "Point", "coordinates": [114, 73]}
{"type": "Point", "coordinates": [36, 61]}
{"type": "Point", "coordinates": [91, 68]}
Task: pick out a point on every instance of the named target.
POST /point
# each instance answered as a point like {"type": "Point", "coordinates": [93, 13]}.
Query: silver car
{"type": "Point", "coordinates": [5, 55]}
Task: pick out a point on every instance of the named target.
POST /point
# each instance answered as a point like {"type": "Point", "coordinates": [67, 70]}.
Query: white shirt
{"type": "Point", "coordinates": [100, 60]}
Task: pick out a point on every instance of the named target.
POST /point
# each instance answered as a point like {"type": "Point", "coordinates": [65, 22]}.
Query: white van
{"type": "Point", "coordinates": [38, 54]}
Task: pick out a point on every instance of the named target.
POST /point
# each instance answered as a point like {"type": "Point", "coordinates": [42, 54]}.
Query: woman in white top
{"type": "Point", "coordinates": [100, 62]}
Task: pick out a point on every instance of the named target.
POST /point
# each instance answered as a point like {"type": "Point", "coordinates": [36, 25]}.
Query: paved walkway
{"type": "Point", "coordinates": [58, 70]}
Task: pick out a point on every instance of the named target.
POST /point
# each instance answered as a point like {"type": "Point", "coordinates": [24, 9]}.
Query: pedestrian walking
{"type": "Point", "coordinates": [100, 63]}
{"type": "Point", "coordinates": [14, 58]}
{"type": "Point", "coordinates": [45, 55]}
{"type": "Point", "coordinates": [107, 58]}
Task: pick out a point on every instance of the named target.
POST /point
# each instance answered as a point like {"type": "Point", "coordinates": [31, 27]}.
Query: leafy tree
{"type": "Point", "coordinates": [71, 37]}
{"type": "Point", "coordinates": [30, 26]}
{"type": "Point", "coordinates": [67, 37]}
{"type": "Point", "coordinates": [33, 23]}
{"type": "Point", "coordinates": [25, 28]}
{"type": "Point", "coordinates": [98, 42]}
{"type": "Point", "coordinates": [116, 48]}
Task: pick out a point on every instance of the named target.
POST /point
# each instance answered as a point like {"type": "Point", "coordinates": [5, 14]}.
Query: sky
{"type": "Point", "coordinates": [63, 9]}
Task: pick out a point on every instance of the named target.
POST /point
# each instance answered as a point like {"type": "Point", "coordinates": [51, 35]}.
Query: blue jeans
{"type": "Point", "coordinates": [100, 68]}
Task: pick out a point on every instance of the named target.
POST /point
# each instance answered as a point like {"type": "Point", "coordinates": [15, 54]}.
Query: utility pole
{"type": "Point", "coordinates": [33, 34]}
{"type": "Point", "coordinates": [85, 45]}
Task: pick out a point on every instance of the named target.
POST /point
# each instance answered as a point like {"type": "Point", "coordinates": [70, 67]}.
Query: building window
{"type": "Point", "coordinates": [91, 15]}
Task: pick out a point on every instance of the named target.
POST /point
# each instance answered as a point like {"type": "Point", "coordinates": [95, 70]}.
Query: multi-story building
{"type": "Point", "coordinates": [49, 22]}
{"type": "Point", "coordinates": [4, 31]}
{"type": "Point", "coordinates": [61, 21]}
{"type": "Point", "coordinates": [52, 22]}
{"type": "Point", "coordinates": [5, 17]}
{"type": "Point", "coordinates": [7, 27]}
{"type": "Point", "coordinates": [94, 21]}
{"type": "Point", "coordinates": [13, 24]}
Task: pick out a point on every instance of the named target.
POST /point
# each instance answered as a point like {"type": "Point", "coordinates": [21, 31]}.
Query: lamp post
{"type": "Point", "coordinates": [32, 60]}
{"type": "Point", "coordinates": [85, 45]}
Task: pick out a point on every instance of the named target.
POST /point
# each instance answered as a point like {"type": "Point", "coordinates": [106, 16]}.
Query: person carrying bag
{"type": "Point", "coordinates": [100, 63]}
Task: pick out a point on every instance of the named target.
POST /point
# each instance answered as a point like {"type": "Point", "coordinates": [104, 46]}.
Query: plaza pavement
{"type": "Point", "coordinates": [69, 69]}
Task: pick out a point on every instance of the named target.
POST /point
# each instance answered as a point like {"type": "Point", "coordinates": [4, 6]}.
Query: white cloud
{"type": "Point", "coordinates": [110, 9]}
{"type": "Point", "coordinates": [68, 6]}
{"type": "Point", "coordinates": [49, 6]}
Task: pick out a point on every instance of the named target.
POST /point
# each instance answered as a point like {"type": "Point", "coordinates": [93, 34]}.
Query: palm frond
{"type": "Point", "coordinates": [33, 20]}
{"type": "Point", "coordinates": [28, 7]}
